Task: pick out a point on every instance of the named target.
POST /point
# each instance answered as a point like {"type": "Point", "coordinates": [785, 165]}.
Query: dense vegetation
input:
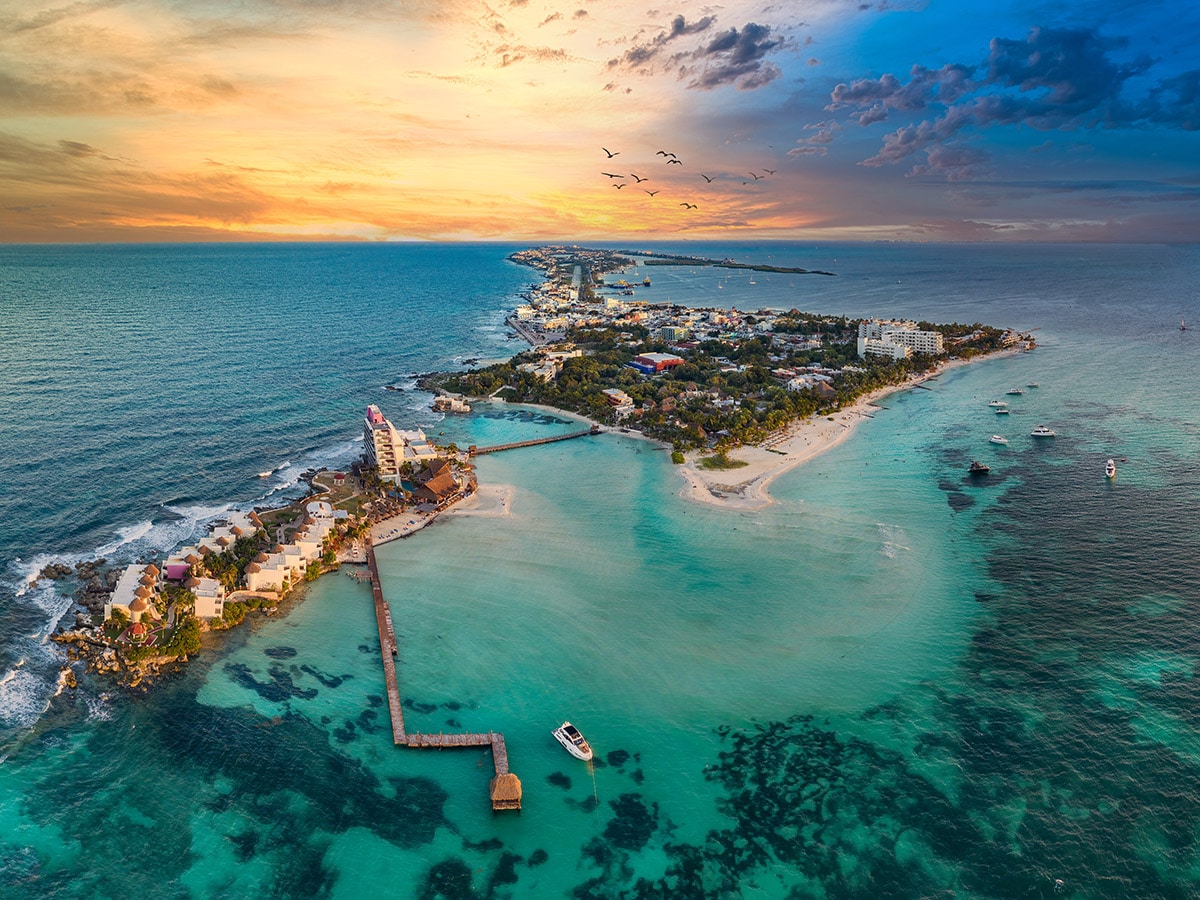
{"type": "Point", "coordinates": [724, 394]}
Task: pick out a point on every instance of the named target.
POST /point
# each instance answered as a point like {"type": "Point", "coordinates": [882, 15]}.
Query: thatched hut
{"type": "Point", "coordinates": [506, 791]}
{"type": "Point", "coordinates": [152, 570]}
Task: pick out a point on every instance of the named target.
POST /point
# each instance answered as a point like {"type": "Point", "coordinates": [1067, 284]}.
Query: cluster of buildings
{"type": "Point", "coordinates": [139, 587]}
{"type": "Point", "coordinates": [896, 340]}
{"type": "Point", "coordinates": [287, 563]}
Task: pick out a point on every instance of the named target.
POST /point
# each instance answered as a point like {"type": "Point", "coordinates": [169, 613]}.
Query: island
{"type": "Point", "coordinates": [737, 396]}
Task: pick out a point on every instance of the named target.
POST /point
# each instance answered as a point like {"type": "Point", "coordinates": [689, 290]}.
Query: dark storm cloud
{"type": "Point", "coordinates": [738, 57]}
{"type": "Point", "coordinates": [1053, 79]}
{"type": "Point", "coordinates": [925, 86]}
{"type": "Point", "coordinates": [639, 55]}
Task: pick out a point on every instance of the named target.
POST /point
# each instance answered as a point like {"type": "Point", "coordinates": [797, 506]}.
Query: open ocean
{"type": "Point", "coordinates": [895, 681]}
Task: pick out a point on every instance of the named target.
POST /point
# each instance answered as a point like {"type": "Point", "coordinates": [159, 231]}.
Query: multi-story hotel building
{"type": "Point", "coordinates": [879, 338]}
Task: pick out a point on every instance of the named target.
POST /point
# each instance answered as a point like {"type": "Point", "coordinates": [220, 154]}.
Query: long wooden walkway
{"type": "Point", "coordinates": [496, 448]}
{"type": "Point", "coordinates": [505, 787]}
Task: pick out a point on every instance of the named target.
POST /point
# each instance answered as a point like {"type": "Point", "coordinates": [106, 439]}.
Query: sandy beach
{"type": "Point", "coordinates": [489, 500]}
{"type": "Point", "coordinates": [745, 488]}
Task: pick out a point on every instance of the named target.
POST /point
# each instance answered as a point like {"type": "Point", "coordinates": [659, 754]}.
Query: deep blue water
{"type": "Point", "coordinates": [894, 682]}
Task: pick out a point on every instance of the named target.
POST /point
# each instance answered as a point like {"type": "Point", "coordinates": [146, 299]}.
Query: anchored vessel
{"type": "Point", "coordinates": [568, 735]}
{"type": "Point", "coordinates": [1110, 469]}
{"type": "Point", "coordinates": [998, 439]}
{"type": "Point", "coordinates": [978, 468]}
{"type": "Point", "coordinates": [1042, 431]}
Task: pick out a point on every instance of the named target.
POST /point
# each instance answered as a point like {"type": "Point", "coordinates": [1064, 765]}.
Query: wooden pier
{"type": "Point", "coordinates": [505, 787]}
{"type": "Point", "coordinates": [496, 448]}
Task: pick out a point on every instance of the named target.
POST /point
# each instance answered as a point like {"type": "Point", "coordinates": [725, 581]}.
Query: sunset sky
{"type": "Point", "coordinates": [182, 120]}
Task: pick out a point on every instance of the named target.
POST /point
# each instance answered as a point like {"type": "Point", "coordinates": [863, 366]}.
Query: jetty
{"type": "Point", "coordinates": [505, 787]}
{"type": "Point", "coordinates": [497, 448]}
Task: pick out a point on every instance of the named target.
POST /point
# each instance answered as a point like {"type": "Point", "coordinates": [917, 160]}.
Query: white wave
{"type": "Point", "coordinates": [24, 697]}
{"type": "Point", "coordinates": [98, 709]}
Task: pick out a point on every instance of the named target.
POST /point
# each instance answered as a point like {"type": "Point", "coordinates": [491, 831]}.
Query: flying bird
{"type": "Point", "coordinates": [610, 153]}
{"type": "Point", "coordinates": [674, 162]}
{"type": "Point", "coordinates": [755, 177]}
{"type": "Point", "coordinates": [663, 153]}
{"type": "Point", "coordinates": [706, 178]}
{"type": "Point", "coordinates": [651, 193]}
{"type": "Point", "coordinates": [769, 171]}
{"type": "Point", "coordinates": [611, 175]}
{"type": "Point", "coordinates": [619, 186]}
{"type": "Point", "coordinates": [634, 176]}
{"type": "Point", "coordinates": [690, 205]}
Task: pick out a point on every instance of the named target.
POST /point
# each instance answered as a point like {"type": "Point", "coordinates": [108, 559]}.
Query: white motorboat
{"type": "Point", "coordinates": [568, 735]}
{"type": "Point", "coordinates": [1003, 411]}
{"type": "Point", "coordinates": [1042, 431]}
{"type": "Point", "coordinates": [998, 439]}
{"type": "Point", "coordinates": [997, 404]}
{"type": "Point", "coordinates": [1016, 392]}
{"type": "Point", "coordinates": [1110, 469]}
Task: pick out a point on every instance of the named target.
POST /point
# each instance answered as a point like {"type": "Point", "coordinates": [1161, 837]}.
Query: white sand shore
{"type": "Point", "coordinates": [746, 488]}
{"type": "Point", "coordinates": [489, 500]}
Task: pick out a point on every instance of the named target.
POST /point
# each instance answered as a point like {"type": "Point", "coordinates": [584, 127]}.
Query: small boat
{"type": "Point", "coordinates": [1032, 384]}
{"type": "Point", "coordinates": [997, 403]}
{"type": "Point", "coordinates": [1042, 431]}
{"type": "Point", "coordinates": [266, 474]}
{"type": "Point", "coordinates": [1016, 392]}
{"type": "Point", "coordinates": [978, 468]}
{"type": "Point", "coordinates": [646, 281]}
{"type": "Point", "coordinates": [1110, 469]}
{"type": "Point", "coordinates": [998, 439]}
{"type": "Point", "coordinates": [1002, 410]}
{"type": "Point", "coordinates": [568, 735]}
{"type": "Point", "coordinates": [1182, 324]}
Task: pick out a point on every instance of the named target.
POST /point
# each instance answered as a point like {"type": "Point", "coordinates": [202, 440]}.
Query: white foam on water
{"type": "Point", "coordinates": [24, 697]}
{"type": "Point", "coordinates": [98, 709]}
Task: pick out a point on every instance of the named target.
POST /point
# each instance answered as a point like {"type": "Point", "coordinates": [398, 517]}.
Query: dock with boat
{"type": "Point", "coordinates": [505, 787]}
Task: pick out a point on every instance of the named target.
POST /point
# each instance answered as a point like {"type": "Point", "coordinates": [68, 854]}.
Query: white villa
{"type": "Point", "coordinates": [210, 596]}
{"type": "Point", "coordinates": [135, 592]}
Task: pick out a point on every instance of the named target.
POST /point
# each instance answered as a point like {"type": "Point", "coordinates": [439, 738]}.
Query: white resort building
{"type": "Point", "coordinates": [898, 340]}
{"type": "Point", "coordinates": [134, 593]}
{"type": "Point", "coordinates": [210, 597]}
{"type": "Point", "coordinates": [388, 448]}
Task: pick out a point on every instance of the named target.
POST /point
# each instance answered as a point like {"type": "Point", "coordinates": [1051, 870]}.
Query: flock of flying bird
{"type": "Point", "coordinates": [671, 160]}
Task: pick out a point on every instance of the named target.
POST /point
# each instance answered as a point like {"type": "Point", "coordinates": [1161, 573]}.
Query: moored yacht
{"type": "Point", "coordinates": [568, 735]}
{"type": "Point", "coordinates": [997, 404]}
{"type": "Point", "coordinates": [1016, 392]}
{"type": "Point", "coordinates": [1110, 469]}
{"type": "Point", "coordinates": [1002, 410]}
{"type": "Point", "coordinates": [1042, 431]}
{"type": "Point", "coordinates": [978, 468]}
{"type": "Point", "coordinates": [998, 439]}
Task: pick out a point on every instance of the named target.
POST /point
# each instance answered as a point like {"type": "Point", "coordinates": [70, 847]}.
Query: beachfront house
{"type": "Point", "coordinates": [210, 597]}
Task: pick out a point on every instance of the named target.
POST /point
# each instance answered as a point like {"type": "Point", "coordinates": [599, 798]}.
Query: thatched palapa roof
{"type": "Point", "coordinates": [506, 791]}
{"type": "Point", "coordinates": [152, 569]}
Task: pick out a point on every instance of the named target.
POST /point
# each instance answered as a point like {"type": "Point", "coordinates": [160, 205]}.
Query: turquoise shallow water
{"type": "Point", "coordinates": [894, 681]}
